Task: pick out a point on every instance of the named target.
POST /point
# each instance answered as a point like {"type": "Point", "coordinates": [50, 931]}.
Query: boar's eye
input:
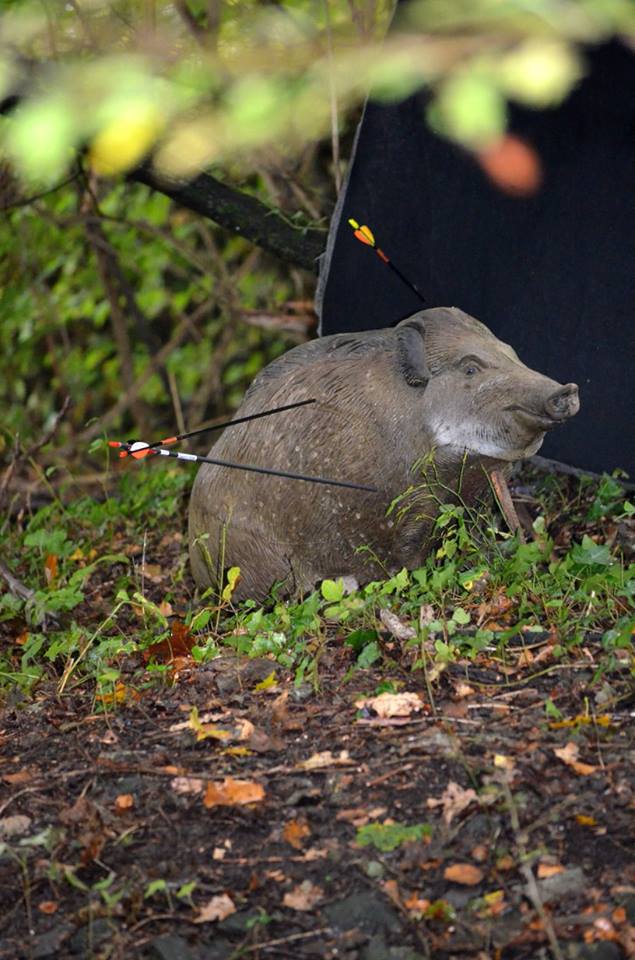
{"type": "Point", "coordinates": [470, 366]}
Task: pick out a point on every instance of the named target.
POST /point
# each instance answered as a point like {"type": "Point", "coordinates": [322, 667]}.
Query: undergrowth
{"type": "Point", "coordinates": [110, 596]}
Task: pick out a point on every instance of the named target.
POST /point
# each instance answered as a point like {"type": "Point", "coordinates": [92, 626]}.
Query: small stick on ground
{"type": "Point", "coordinates": [506, 504]}
{"type": "Point", "coordinates": [525, 868]}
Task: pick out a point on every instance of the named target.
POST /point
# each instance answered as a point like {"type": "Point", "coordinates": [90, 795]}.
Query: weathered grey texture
{"type": "Point", "coordinates": [438, 387]}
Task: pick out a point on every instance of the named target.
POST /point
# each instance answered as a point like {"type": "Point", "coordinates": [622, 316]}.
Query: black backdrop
{"type": "Point", "coordinates": [553, 273]}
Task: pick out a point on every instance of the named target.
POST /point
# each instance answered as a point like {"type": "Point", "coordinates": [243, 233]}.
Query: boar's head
{"type": "Point", "coordinates": [479, 397]}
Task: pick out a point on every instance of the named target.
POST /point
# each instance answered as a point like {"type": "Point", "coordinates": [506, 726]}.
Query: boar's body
{"type": "Point", "coordinates": [439, 388]}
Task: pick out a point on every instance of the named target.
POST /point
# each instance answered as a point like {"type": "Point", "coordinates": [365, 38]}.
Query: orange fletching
{"type": "Point", "coordinates": [364, 235]}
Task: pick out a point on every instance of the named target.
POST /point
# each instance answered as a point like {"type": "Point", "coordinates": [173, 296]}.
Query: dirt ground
{"type": "Point", "coordinates": [261, 824]}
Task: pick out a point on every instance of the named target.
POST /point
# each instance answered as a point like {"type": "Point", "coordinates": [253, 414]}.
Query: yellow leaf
{"type": "Point", "coordinates": [268, 682]}
{"type": "Point", "coordinates": [585, 821]}
{"type": "Point", "coordinates": [124, 141]}
{"type": "Point", "coordinates": [233, 576]}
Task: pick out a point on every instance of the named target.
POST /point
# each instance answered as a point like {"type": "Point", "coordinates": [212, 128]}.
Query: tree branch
{"type": "Point", "coordinates": [242, 214]}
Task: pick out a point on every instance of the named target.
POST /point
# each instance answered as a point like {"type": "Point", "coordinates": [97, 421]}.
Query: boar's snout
{"type": "Point", "coordinates": [542, 411]}
{"type": "Point", "coordinates": [564, 403]}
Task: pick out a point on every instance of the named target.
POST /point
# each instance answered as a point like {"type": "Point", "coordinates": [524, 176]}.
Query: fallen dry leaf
{"type": "Point", "coordinates": [119, 694]}
{"type": "Point", "coordinates": [232, 730]}
{"type": "Point", "coordinates": [295, 832]}
{"type": "Point", "coordinates": [503, 762]}
{"type": "Point", "coordinates": [303, 897]}
{"type": "Point", "coordinates": [391, 704]}
{"type": "Point", "coordinates": [585, 821]}
{"type": "Point", "coordinates": [399, 629]}
{"type": "Point", "coordinates": [464, 873]}
{"type": "Point", "coordinates": [317, 853]}
{"type": "Point", "coordinates": [416, 904]}
{"type": "Point", "coordinates": [493, 904]}
{"type": "Point", "coordinates": [50, 569]}
{"type": "Point", "coordinates": [391, 889]}
{"type": "Point", "coordinates": [454, 800]}
{"type": "Point", "coordinates": [179, 644]}
{"type": "Point", "coordinates": [14, 826]}
{"type": "Point", "coordinates": [152, 571]}
{"type": "Point", "coordinates": [326, 759]}
{"type": "Point", "coordinates": [124, 802]}
{"type": "Point", "coordinates": [48, 907]}
{"type": "Point", "coordinates": [21, 776]}
{"type": "Point", "coordinates": [218, 908]}
{"type": "Point", "coordinates": [233, 793]}
{"type": "Point", "coordinates": [184, 785]}
{"type": "Point", "coordinates": [569, 755]}
{"type": "Point", "coordinates": [548, 870]}
{"type": "Point", "coordinates": [360, 816]}
{"type": "Point", "coordinates": [280, 709]}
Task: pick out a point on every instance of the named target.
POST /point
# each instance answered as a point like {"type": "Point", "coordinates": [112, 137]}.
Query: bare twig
{"type": "Point", "coordinates": [26, 201]}
{"type": "Point", "coordinates": [118, 292]}
{"type": "Point", "coordinates": [19, 454]}
{"type": "Point", "coordinates": [16, 586]}
{"type": "Point", "coordinates": [506, 504]}
{"type": "Point", "coordinates": [122, 404]}
{"type": "Point", "coordinates": [190, 21]}
{"type": "Point", "coordinates": [525, 868]}
{"type": "Point", "coordinates": [279, 942]}
{"type": "Point", "coordinates": [335, 133]}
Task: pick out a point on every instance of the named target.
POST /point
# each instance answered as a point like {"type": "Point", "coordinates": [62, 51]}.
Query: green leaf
{"type": "Point", "coordinates": [40, 136]}
{"type": "Point", "coordinates": [539, 72]}
{"type": "Point", "coordinates": [155, 886]}
{"type": "Point", "coordinates": [389, 836]}
{"type": "Point", "coordinates": [360, 638]}
{"type": "Point", "coordinates": [369, 655]}
{"type": "Point", "coordinates": [551, 710]}
{"type": "Point", "coordinates": [469, 107]}
{"type": "Point", "coordinates": [186, 890]}
{"type": "Point", "coordinates": [461, 616]}
{"type": "Point", "coordinates": [589, 553]}
{"type": "Point", "coordinates": [333, 590]}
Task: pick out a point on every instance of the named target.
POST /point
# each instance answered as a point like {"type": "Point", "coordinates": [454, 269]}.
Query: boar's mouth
{"type": "Point", "coordinates": [537, 420]}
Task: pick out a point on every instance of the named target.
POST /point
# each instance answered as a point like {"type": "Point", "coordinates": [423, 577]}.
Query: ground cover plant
{"type": "Point", "coordinates": [437, 764]}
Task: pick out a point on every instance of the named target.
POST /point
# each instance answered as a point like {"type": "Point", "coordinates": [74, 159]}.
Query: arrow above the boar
{"type": "Point", "coordinates": [366, 236]}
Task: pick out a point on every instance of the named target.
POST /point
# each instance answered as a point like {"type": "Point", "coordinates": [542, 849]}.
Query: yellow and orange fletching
{"type": "Point", "coordinates": [364, 234]}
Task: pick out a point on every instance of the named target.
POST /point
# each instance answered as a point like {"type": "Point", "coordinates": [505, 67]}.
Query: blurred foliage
{"type": "Point", "coordinates": [198, 81]}
{"type": "Point", "coordinates": [182, 273]}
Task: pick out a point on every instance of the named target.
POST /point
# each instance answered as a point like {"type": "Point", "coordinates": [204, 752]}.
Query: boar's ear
{"type": "Point", "coordinates": [411, 353]}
